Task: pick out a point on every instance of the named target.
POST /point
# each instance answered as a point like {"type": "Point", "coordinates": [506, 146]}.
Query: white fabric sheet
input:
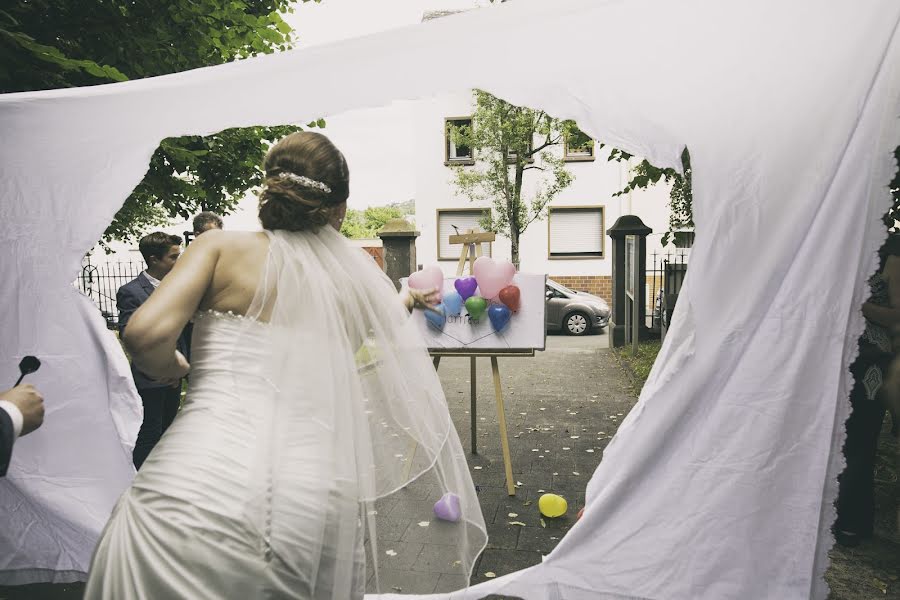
{"type": "Point", "coordinates": [720, 481]}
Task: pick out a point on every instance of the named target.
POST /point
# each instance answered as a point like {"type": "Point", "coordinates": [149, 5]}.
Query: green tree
{"type": "Point", "coordinates": [58, 43]}
{"type": "Point", "coordinates": [681, 198]}
{"type": "Point", "coordinates": [509, 141]}
{"type": "Point", "coordinates": [365, 224]}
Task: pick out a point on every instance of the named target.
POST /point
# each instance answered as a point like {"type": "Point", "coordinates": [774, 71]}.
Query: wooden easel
{"type": "Point", "coordinates": [471, 241]}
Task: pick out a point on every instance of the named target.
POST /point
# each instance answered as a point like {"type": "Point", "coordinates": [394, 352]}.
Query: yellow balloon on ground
{"type": "Point", "coordinates": [552, 506]}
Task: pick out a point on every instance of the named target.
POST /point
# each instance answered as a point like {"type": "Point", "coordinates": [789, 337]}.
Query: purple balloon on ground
{"type": "Point", "coordinates": [466, 287]}
{"type": "Point", "coordinates": [447, 508]}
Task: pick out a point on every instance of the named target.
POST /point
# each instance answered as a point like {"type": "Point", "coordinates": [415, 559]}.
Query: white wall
{"type": "Point", "coordinates": [594, 184]}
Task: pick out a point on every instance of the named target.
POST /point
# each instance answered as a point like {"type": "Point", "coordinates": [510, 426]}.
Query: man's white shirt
{"type": "Point", "coordinates": [15, 414]}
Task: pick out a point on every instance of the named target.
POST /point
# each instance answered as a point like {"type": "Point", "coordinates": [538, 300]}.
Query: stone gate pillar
{"type": "Point", "coordinates": [627, 225]}
{"type": "Point", "coordinates": [399, 239]}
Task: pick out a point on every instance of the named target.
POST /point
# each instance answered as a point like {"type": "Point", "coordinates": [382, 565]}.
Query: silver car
{"type": "Point", "coordinates": [576, 313]}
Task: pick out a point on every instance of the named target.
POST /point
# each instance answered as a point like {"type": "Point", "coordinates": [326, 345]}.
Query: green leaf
{"type": "Point", "coordinates": [283, 27]}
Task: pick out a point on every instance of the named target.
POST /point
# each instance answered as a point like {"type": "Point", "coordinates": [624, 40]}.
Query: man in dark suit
{"type": "Point", "coordinates": [21, 412]}
{"type": "Point", "coordinates": [161, 400]}
{"type": "Point", "coordinates": [206, 221]}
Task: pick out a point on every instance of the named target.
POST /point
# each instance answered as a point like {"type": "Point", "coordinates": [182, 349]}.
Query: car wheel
{"type": "Point", "coordinates": [577, 323]}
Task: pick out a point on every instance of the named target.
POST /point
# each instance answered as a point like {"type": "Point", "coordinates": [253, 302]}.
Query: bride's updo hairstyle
{"type": "Point", "coordinates": [306, 177]}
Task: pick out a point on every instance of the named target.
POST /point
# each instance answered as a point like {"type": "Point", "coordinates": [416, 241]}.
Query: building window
{"type": "Point", "coordinates": [578, 146]}
{"type": "Point", "coordinates": [576, 232]}
{"type": "Point", "coordinates": [512, 154]}
{"type": "Point", "coordinates": [457, 154]}
{"type": "Point", "coordinates": [451, 221]}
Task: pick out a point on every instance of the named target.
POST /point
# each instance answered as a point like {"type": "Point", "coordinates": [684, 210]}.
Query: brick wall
{"type": "Point", "coordinates": [599, 285]}
{"type": "Point", "coordinates": [377, 254]}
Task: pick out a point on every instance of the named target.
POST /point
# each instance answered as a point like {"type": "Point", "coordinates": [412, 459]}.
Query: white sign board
{"type": "Point", "coordinates": [526, 329]}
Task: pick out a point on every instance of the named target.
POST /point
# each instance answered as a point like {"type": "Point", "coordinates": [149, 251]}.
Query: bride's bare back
{"type": "Point", "coordinates": [237, 272]}
{"type": "Point", "coordinates": [220, 270]}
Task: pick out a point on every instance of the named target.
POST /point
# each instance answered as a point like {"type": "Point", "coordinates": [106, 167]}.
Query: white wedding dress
{"type": "Point", "coordinates": [264, 486]}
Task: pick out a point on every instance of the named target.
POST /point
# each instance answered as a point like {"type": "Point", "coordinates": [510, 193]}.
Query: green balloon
{"type": "Point", "coordinates": [475, 306]}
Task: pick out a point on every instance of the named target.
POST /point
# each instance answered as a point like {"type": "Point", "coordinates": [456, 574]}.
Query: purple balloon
{"type": "Point", "coordinates": [447, 508]}
{"type": "Point", "coordinates": [466, 287]}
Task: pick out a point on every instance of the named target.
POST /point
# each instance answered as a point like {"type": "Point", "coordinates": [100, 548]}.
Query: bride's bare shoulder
{"type": "Point", "coordinates": [224, 236]}
{"type": "Point", "coordinates": [229, 241]}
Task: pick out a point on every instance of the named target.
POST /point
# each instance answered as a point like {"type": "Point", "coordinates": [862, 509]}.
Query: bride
{"type": "Point", "coordinates": [311, 398]}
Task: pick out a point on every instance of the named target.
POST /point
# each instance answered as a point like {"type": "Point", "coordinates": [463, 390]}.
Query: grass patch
{"type": "Point", "coordinates": [638, 365]}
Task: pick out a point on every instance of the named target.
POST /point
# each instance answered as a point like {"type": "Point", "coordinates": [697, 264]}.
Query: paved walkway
{"type": "Point", "coordinates": [562, 407]}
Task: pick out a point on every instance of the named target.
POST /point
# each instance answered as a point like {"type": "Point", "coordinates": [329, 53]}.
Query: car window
{"type": "Point", "coordinates": [562, 288]}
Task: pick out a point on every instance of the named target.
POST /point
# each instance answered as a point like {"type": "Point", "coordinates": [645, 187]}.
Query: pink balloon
{"type": "Point", "coordinates": [493, 275]}
{"type": "Point", "coordinates": [427, 278]}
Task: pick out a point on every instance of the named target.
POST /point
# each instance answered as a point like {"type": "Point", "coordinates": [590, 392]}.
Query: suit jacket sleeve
{"type": "Point", "coordinates": [127, 302]}
{"type": "Point", "coordinates": [7, 437]}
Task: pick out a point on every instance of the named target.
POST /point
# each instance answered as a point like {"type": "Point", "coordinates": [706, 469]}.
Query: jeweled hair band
{"type": "Point", "coordinates": [305, 181]}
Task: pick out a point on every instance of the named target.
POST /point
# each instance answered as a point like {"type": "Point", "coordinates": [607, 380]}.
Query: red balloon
{"type": "Point", "coordinates": [511, 297]}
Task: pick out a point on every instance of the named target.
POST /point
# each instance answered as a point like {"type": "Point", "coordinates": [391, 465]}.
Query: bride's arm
{"type": "Point", "coordinates": [153, 329]}
{"type": "Point", "coordinates": [426, 299]}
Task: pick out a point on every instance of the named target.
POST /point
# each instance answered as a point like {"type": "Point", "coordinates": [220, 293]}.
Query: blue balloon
{"type": "Point", "coordinates": [499, 316]}
{"type": "Point", "coordinates": [453, 304]}
{"type": "Point", "coordinates": [437, 318]}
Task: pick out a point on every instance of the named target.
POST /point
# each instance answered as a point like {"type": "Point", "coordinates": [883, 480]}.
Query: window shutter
{"type": "Point", "coordinates": [464, 220]}
{"type": "Point", "coordinates": [576, 231]}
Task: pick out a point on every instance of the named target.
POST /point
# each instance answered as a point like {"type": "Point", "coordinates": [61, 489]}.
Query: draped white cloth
{"type": "Point", "coordinates": [720, 482]}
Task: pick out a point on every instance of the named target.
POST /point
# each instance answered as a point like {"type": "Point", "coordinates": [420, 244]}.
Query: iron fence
{"type": "Point", "coordinates": [664, 279]}
{"type": "Point", "coordinates": [101, 282]}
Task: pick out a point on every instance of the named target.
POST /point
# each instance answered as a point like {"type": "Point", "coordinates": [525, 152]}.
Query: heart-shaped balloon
{"type": "Point", "coordinates": [453, 304]}
{"type": "Point", "coordinates": [436, 318]}
{"type": "Point", "coordinates": [552, 505]}
{"type": "Point", "coordinates": [493, 275]}
{"type": "Point", "coordinates": [466, 287]}
{"type": "Point", "coordinates": [428, 278]}
{"type": "Point", "coordinates": [499, 316]}
{"type": "Point", "coordinates": [511, 297]}
{"type": "Point", "coordinates": [476, 306]}
{"type": "Point", "coordinates": [447, 508]}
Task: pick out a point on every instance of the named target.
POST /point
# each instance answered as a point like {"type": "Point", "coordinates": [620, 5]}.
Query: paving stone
{"type": "Point", "coordinates": [422, 490]}
{"type": "Point", "coordinates": [407, 582]}
{"type": "Point", "coordinates": [538, 539]}
{"type": "Point", "coordinates": [450, 582]}
{"type": "Point", "coordinates": [567, 480]}
{"type": "Point", "coordinates": [503, 562]}
{"type": "Point", "coordinates": [388, 529]}
{"type": "Point", "coordinates": [414, 510]}
{"type": "Point", "coordinates": [436, 558]}
{"type": "Point", "coordinates": [436, 532]}
{"type": "Point", "coordinates": [403, 559]}
{"type": "Point", "coordinates": [503, 536]}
